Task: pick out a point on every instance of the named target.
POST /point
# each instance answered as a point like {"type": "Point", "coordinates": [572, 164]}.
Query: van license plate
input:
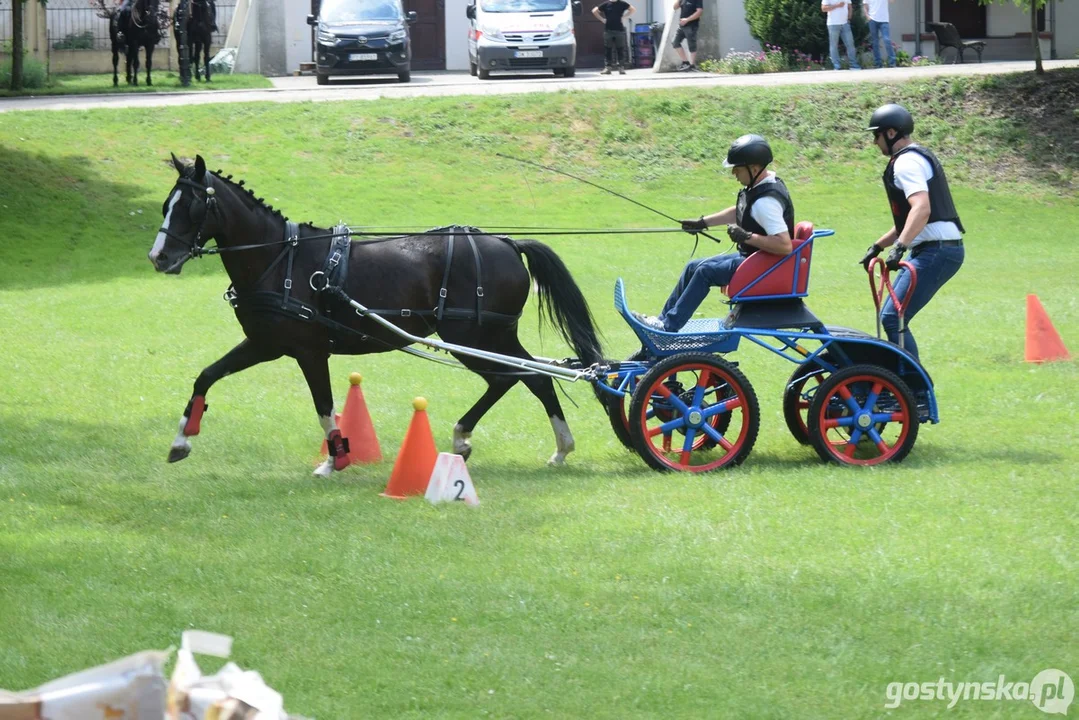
{"type": "Point", "coordinates": [354, 57]}
{"type": "Point", "coordinates": [528, 54]}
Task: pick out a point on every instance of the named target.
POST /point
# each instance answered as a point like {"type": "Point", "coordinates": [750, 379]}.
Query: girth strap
{"type": "Point", "coordinates": [443, 291]}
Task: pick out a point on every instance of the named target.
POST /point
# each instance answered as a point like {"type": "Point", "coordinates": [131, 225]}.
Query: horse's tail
{"type": "Point", "coordinates": [561, 301]}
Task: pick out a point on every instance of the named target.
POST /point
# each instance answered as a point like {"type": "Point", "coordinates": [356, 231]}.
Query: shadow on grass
{"type": "Point", "coordinates": [1043, 108]}
{"type": "Point", "coordinates": [63, 221]}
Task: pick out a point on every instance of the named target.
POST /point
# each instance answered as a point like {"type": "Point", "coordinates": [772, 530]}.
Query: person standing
{"type": "Point", "coordinates": [615, 50]}
{"type": "Point", "coordinates": [925, 221]}
{"type": "Point", "coordinates": [688, 23]}
{"type": "Point", "coordinates": [839, 13]}
{"type": "Point", "coordinates": [877, 14]}
{"type": "Point", "coordinates": [761, 219]}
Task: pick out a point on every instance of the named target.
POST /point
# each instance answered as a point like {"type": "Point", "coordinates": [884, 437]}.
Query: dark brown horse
{"type": "Point", "coordinates": [471, 296]}
{"type": "Point", "coordinates": [198, 16]}
{"type": "Point", "coordinates": [135, 24]}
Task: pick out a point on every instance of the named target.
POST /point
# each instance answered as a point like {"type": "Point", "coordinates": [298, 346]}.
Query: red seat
{"type": "Point", "coordinates": [781, 281]}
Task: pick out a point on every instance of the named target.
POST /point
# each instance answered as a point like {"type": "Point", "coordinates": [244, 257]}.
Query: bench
{"type": "Point", "coordinates": [948, 37]}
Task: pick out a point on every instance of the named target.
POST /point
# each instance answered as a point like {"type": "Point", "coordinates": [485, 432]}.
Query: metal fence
{"type": "Point", "coordinates": [76, 25]}
{"type": "Point", "coordinates": [5, 25]}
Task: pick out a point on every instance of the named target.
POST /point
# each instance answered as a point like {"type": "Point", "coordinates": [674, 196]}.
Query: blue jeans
{"type": "Point", "coordinates": [698, 277]}
{"type": "Point", "coordinates": [834, 32]}
{"type": "Point", "coordinates": [935, 266]}
{"type": "Point", "coordinates": [878, 31]}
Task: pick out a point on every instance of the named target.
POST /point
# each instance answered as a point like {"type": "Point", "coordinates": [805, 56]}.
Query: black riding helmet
{"type": "Point", "coordinates": [892, 117]}
{"type": "Point", "coordinates": [749, 150]}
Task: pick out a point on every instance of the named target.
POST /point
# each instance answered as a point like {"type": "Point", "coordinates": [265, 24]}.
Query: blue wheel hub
{"type": "Point", "coordinates": [864, 420]}
{"type": "Point", "coordinates": [694, 418]}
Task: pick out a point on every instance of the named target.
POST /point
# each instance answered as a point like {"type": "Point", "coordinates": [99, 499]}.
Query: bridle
{"type": "Point", "coordinates": [205, 202]}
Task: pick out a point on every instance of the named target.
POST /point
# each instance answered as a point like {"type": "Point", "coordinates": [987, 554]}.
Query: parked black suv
{"type": "Point", "coordinates": [362, 37]}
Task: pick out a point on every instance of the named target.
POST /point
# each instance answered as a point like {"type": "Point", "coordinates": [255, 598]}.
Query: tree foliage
{"type": "Point", "coordinates": [797, 25]}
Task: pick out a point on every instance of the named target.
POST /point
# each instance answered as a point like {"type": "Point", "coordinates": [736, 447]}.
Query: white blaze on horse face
{"type": "Point", "coordinates": [159, 241]}
{"type": "Point", "coordinates": [563, 440]}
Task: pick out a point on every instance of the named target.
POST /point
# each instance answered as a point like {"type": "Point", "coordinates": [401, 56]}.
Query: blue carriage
{"type": "Point", "coordinates": [856, 399]}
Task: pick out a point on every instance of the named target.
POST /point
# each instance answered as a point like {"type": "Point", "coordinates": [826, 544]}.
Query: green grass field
{"type": "Point", "coordinates": [164, 81]}
{"type": "Point", "coordinates": [782, 588]}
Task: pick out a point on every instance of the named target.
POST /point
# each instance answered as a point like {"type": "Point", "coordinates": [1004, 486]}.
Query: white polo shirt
{"type": "Point", "coordinates": [912, 175]}
{"type": "Point", "coordinates": [877, 10]}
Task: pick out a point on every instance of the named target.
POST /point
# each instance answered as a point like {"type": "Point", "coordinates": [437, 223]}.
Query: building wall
{"type": "Point", "coordinates": [457, 36]}
{"type": "Point", "coordinates": [1067, 24]}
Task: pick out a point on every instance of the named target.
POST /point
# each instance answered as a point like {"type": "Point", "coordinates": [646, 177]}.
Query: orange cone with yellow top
{"type": "Point", "coordinates": [416, 461]}
{"type": "Point", "coordinates": [1043, 341]}
{"type": "Point", "coordinates": [354, 422]}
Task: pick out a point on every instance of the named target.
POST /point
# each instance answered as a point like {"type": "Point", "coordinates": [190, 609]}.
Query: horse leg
{"type": "Point", "coordinates": [206, 57]}
{"type": "Point", "coordinates": [133, 64]}
{"type": "Point", "coordinates": [316, 370]}
{"type": "Point", "coordinates": [194, 54]}
{"type": "Point", "coordinates": [542, 387]}
{"type": "Point", "coordinates": [149, 63]}
{"type": "Point", "coordinates": [115, 64]}
{"type": "Point", "coordinates": [497, 386]}
{"type": "Point", "coordinates": [238, 358]}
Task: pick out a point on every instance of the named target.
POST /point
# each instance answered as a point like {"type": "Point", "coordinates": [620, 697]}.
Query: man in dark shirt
{"type": "Point", "coordinates": [688, 22]}
{"type": "Point", "coordinates": [616, 54]}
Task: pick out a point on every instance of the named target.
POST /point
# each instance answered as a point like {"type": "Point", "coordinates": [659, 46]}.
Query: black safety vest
{"type": "Point", "coordinates": [748, 196]}
{"type": "Point", "coordinates": [941, 207]}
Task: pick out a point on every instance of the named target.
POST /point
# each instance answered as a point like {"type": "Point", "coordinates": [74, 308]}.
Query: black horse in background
{"type": "Point", "coordinates": [134, 24]}
{"type": "Point", "coordinates": [275, 267]}
{"type": "Point", "coordinates": [199, 16]}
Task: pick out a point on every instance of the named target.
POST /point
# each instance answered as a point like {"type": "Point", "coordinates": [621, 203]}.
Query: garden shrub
{"type": "Point", "coordinates": [34, 73]}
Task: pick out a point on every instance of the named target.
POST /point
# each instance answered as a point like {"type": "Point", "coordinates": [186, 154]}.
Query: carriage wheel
{"type": "Point", "coordinates": [863, 415]}
{"type": "Point", "coordinates": [693, 412]}
{"type": "Point", "coordinates": [617, 413]}
{"type": "Point", "coordinates": [796, 397]}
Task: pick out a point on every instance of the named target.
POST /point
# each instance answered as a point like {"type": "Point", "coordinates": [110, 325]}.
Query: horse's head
{"type": "Point", "coordinates": [191, 217]}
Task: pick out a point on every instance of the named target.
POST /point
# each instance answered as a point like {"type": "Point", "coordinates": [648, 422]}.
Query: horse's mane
{"type": "Point", "coordinates": [238, 185]}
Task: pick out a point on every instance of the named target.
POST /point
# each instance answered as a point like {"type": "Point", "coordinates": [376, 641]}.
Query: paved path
{"type": "Point", "coordinates": [304, 88]}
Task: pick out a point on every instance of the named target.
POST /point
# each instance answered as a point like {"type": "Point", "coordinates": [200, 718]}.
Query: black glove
{"type": "Point", "coordinates": [871, 253]}
{"type": "Point", "coordinates": [738, 234]}
{"type": "Point", "coordinates": [694, 226]}
{"type": "Point", "coordinates": [894, 257]}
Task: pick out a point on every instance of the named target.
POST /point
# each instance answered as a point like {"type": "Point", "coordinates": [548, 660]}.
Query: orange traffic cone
{"type": "Point", "coordinates": [1043, 341]}
{"type": "Point", "coordinates": [355, 425]}
{"type": "Point", "coordinates": [416, 461]}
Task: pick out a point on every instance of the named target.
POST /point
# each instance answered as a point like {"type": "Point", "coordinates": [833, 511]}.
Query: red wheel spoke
{"type": "Point", "coordinates": [667, 443]}
{"type": "Point", "coordinates": [725, 444]}
{"type": "Point", "coordinates": [850, 449]}
{"type": "Point", "coordinates": [683, 459]}
{"type": "Point", "coordinates": [705, 377]}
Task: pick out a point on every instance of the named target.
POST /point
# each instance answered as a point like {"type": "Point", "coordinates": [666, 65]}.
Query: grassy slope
{"type": "Point", "coordinates": [782, 588]}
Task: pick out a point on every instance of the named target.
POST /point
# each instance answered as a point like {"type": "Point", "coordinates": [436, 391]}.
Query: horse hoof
{"type": "Point", "coordinates": [557, 460]}
{"type": "Point", "coordinates": [465, 453]}
{"type": "Point", "coordinates": [176, 454]}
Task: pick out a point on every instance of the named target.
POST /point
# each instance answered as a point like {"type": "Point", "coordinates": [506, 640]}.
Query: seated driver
{"type": "Point", "coordinates": [762, 219]}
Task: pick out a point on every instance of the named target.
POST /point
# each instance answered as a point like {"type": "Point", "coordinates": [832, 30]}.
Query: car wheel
{"type": "Point", "coordinates": [484, 73]}
{"type": "Point", "coordinates": [322, 79]}
{"type": "Point", "coordinates": [404, 75]}
{"type": "Point", "coordinates": [472, 69]}
{"type": "Point", "coordinates": [559, 72]}
{"type": "Point", "coordinates": [569, 72]}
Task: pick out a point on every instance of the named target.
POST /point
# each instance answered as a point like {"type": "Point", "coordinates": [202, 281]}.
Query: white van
{"type": "Point", "coordinates": [522, 35]}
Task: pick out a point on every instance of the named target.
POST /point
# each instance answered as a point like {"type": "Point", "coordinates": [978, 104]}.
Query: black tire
{"type": "Point", "coordinates": [484, 73]}
{"type": "Point", "coordinates": [569, 72]}
{"type": "Point", "coordinates": [404, 75]}
{"type": "Point", "coordinates": [898, 430]}
{"type": "Point", "coordinates": [322, 79]}
{"type": "Point", "coordinates": [472, 69]}
{"type": "Point", "coordinates": [715, 378]}
{"type": "Point", "coordinates": [795, 405]}
{"type": "Point", "coordinates": [559, 72]}
{"type": "Point", "coordinates": [617, 408]}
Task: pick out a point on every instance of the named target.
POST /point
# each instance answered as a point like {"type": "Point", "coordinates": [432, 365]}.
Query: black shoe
{"type": "Point", "coordinates": [605, 71]}
{"type": "Point", "coordinates": [684, 66]}
{"type": "Point", "coordinates": [621, 70]}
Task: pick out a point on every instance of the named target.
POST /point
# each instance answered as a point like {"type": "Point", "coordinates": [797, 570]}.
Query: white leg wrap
{"type": "Point", "coordinates": [563, 441]}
